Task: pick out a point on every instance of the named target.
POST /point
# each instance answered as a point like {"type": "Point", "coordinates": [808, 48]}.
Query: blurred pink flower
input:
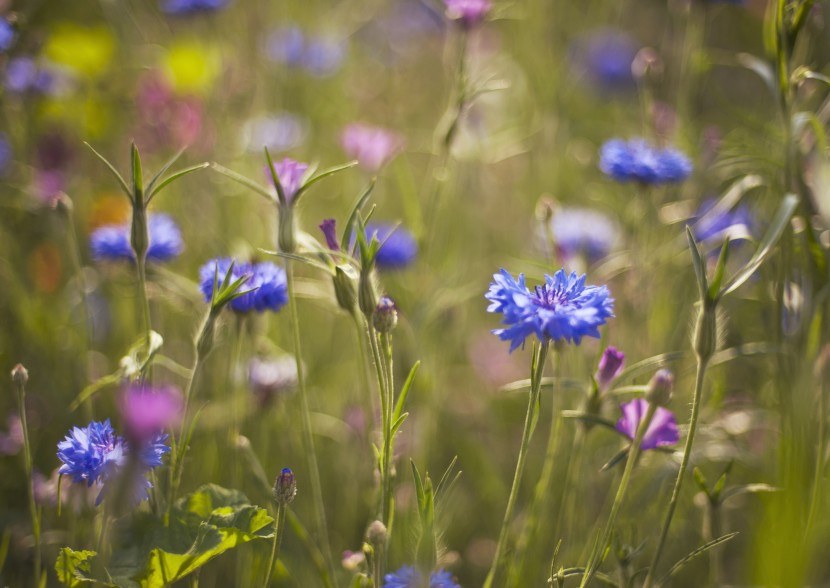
{"type": "Point", "coordinates": [149, 411]}
{"type": "Point", "coordinates": [372, 146]}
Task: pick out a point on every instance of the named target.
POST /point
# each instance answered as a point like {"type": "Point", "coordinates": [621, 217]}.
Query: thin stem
{"type": "Point", "coordinates": [493, 575]}
{"type": "Point", "coordinates": [279, 526]}
{"type": "Point", "coordinates": [818, 473]}
{"type": "Point", "coordinates": [542, 492]}
{"type": "Point", "coordinates": [388, 441]}
{"type": "Point", "coordinates": [684, 464]}
{"type": "Point", "coordinates": [141, 270]}
{"type": "Point", "coordinates": [305, 422]}
{"type": "Point", "coordinates": [633, 454]}
{"type": "Point", "coordinates": [364, 376]}
{"type": "Point", "coordinates": [27, 464]}
{"type": "Point", "coordinates": [235, 398]}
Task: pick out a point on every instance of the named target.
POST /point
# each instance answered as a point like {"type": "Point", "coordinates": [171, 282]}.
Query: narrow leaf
{"type": "Point", "coordinates": [720, 268]}
{"type": "Point", "coordinates": [276, 178]}
{"type": "Point", "coordinates": [175, 176]}
{"type": "Point", "coordinates": [247, 182]}
{"type": "Point", "coordinates": [697, 552]}
{"type": "Point", "coordinates": [776, 228]}
{"type": "Point", "coordinates": [114, 171]}
{"type": "Point", "coordinates": [135, 161]}
{"type": "Point", "coordinates": [405, 391]}
{"type": "Point", "coordinates": [697, 263]}
{"type": "Point", "coordinates": [323, 174]}
{"type": "Point", "coordinates": [358, 205]}
{"type": "Point", "coordinates": [165, 168]}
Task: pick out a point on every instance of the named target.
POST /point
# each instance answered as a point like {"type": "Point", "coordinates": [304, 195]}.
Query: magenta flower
{"type": "Point", "coordinates": [328, 227]}
{"type": "Point", "coordinates": [149, 411]}
{"type": "Point", "coordinates": [468, 13]}
{"type": "Point", "coordinates": [662, 430]}
{"type": "Point", "coordinates": [290, 174]}
{"type": "Point", "coordinates": [610, 366]}
{"type": "Point", "coordinates": [372, 147]}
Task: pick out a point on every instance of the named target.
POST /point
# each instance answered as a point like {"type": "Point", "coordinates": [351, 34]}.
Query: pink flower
{"type": "Point", "coordinates": [149, 411]}
{"type": "Point", "coordinates": [468, 13]}
{"type": "Point", "coordinates": [373, 147]}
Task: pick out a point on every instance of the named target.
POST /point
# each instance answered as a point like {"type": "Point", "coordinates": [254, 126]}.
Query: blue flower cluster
{"type": "Point", "coordinates": [640, 161]}
{"type": "Point", "coordinates": [604, 57]}
{"type": "Point", "coordinates": [561, 308]}
{"type": "Point", "coordinates": [96, 455]}
{"type": "Point", "coordinates": [710, 224]}
{"type": "Point", "coordinates": [399, 247]}
{"type": "Point", "coordinates": [185, 7]}
{"type": "Point", "coordinates": [319, 56]}
{"type": "Point", "coordinates": [410, 577]}
{"type": "Point", "coordinates": [267, 282]}
{"type": "Point", "coordinates": [112, 242]}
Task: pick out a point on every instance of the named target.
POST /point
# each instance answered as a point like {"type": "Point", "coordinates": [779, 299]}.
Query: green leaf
{"type": "Point", "coordinates": [697, 552]}
{"type": "Point", "coordinates": [618, 457]}
{"type": "Point", "coordinates": [323, 174]}
{"type": "Point", "coordinates": [275, 178]}
{"type": "Point", "coordinates": [135, 164]}
{"type": "Point", "coordinates": [175, 176]}
{"type": "Point", "coordinates": [405, 391]}
{"type": "Point", "coordinates": [719, 485]}
{"type": "Point", "coordinates": [748, 489]}
{"type": "Point", "coordinates": [248, 183]}
{"type": "Point", "coordinates": [358, 205]}
{"type": "Point", "coordinates": [700, 480]}
{"type": "Point", "coordinates": [697, 263]}
{"type": "Point", "coordinates": [165, 168]}
{"type": "Point", "coordinates": [714, 287]}
{"type": "Point", "coordinates": [74, 568]}
{"type": "Point", "coordinates": [114, 172]}
{"type": "Point", "coordinates": [95, 387]}
{"type": "Point", "coordinates": [396, 424]}
{"type": "Point", "coordinates": [776, 228]}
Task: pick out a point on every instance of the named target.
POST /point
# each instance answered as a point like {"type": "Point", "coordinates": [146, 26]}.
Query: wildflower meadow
{"type": "Point", "coordinates": [414, 293]}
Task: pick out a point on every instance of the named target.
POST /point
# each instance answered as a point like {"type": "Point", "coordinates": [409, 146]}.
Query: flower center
{"type": "Point", "coordinates": [549, 297]}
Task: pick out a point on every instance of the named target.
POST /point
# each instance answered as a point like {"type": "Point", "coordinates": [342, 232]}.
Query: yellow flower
{"type": "Point", "coordinates": [192, 67]}
{"type": "Point", "coordinates": [87, 50]}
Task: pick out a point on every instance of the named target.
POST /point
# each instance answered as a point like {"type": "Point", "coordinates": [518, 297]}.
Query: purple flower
{"type": "Point", "coordinates": [468, 13]}
{"type": "Point", "coordinates": [112, 242]}
{"type": "Point", "coordinates": [6, 35]}
{"type": "Point", "coordinates": [610, 366]}
{"type": "Point", "coordinates": [410, 577]}
{"type": "Point", "coordinates": [563, 308]}
{"type": "Point", "coordinates": [662, 430]}
{"type": "Point", "coordinates": [398, 249]}
{"type": "Point", "coordinates": [6, 154]}
{"type": "Point", "coordinates": [328, 227]}
{"type": "Point", "coordinates": [638, 160]}
{"type": "Point", "coordinates": [372, 146]}
{"type": "Point", "coordinates": [11, 442]}
{"type": "Point", "coordinates": [323, 56]}
{"type": "Point", "coordinates": [267, 284]}
{"type": "Point", "coordinates": [290, 174]}
{"type": "Point", "coordinates": [149, 411]}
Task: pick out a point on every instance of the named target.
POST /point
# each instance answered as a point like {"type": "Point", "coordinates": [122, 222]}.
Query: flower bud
{"type": "Point", "coordinates": [345, 287]}
{"type": "Point", "coordinates": [285, 487]}
{"type": "Point", "coordinates": [139, 235]}
{"type": "Point", "coordinates": [705, 337]}
{"type": "Point", "coordinates": [385, 317]}
{"type": "Point", "coordinates": [204, 344]}
{"type": "Point", "coordinates": [660, 388]}
{"type": "Point", "coordinates": [376, 534]}
{"type": "Point", "coordinates": [285, 232]}
{"type": "Point", "coordinates": [367, 294]}
{"type": "Point", "coordinates": [20, 375]}
{"type": "Point", "coordinates": [610, 366]}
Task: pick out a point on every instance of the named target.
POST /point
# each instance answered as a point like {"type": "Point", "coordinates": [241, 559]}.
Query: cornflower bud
{"type": "Point", "coordinates": [285, 487]}
{"type": "Point", "coordinates": [660, 388]}
{"type": "Point", "coordinates": [385, 317]}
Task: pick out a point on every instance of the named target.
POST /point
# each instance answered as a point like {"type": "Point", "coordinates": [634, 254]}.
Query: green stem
{"type": "Point", "coordinates": [236, 397]}
{"type": "Point", "coordinates": [818, 473]}
{"type": "Point", "coordinates": [533, 401]}
{"type": "Point", "coordinates": [597, 556]}
{"type": "Point", "coordinates": [364, 376]}
{"type": "Point", "coordinates": [388, 441]}
{"type": "Point", "coordinates": [684, 464]}
{"type": "Point", "coordinates": [543, 491]}
{"type": "Point", "coordinates": [305, 422]}
{"type": "Point", "coordinates": [279, 525]}
{"type": "Point", "coordinates": [141, 270]}
{"type": "Point", "coordinates": [27, 464]}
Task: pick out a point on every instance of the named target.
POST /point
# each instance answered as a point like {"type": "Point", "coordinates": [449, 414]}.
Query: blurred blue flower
{"type": "Point", "coordinates": [6, 153]}
{"type": "Point", "coordinates": [112, 242]}
{"type": "Point", "coordinates": [581, 231]}
{"type": "Point", "coordinates": [286, 45]}
{"type": "Point", "coordinates": [605, 57]}
{"type": "Point", "coordinates": [318, 55]}
{"type": "Point", "coordinates": [661, 431]}
{"type": "Point", "coordinates": [638, 160]}
{"type": "Point", "coordinates": [96, 455]}
{"type": "Point", "coordinates": [711, 224]}
{"type": "Point", "coordinates": [6, 34]}
{"type": "Point", "coordinates": [561, 308]}
{"type": "Point", "coordinates": [324, 56]}
{"type": "Point", "coordinates": [278, 132]}
{"type": "Point", "coordinates": [185, 7]}
{"type": "Point", "coordinates": [23, 74]}
{"type": "Point", "coordinates": [266, 280]}
{"type": "Point", "coordinates": [409, 577]}
{"type": "Point", "coordinates": [398, 248]}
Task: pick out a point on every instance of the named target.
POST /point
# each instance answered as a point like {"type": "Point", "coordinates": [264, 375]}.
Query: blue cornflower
{"type": "Point", "coordinates": [398, 248]}
{"type": "Point", "coordinates": [267, 282]}
{"type": "Point", "coordinates": [605, 57]}
{"type": "Point", "coordinates": [185, 7]}
{"type": "Point", "coordinates": [581, 231]}
{"type": "Point", "coordinates": [410, 577]}
{"type": "Point", "coordinates": [561, 308]}
{"type": "Point", "coordinates": [112, 242]}
{"type": "Point", "coordinates": [711, 224]}
{"type": "Point", "coordinates": [96, 455]}
{"type": "Point", "coordinates": [638, 160]}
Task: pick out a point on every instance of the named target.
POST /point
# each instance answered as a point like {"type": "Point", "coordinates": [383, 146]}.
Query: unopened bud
{"type": "Point", "coordinates": [285, 487]}
{"type": "Point", "coordinates": [545, 209]}
{"type": "Point", "coordinates": [610, 366]}
{"type": "Point", "coordinates": [660, 388]}
{"type": "Point", "coordinates": [20, 375]}
{"type": "Point", "coordinates": [367, 295]}
{"type": "Point", "coordinates": [646, 62]}
{"type": "Point", "coordinates": [385, 317]}
{"type": "Point", "coordinates": [139, 236]}
{"type": "Point", "coordinates": [345, 287]}
{"type": "Point", "coordinates": [285, 232]}
{"type": "Point", "coordinates": [376, 533]}
{"type": "Point", "coordinates": [705, 337]}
